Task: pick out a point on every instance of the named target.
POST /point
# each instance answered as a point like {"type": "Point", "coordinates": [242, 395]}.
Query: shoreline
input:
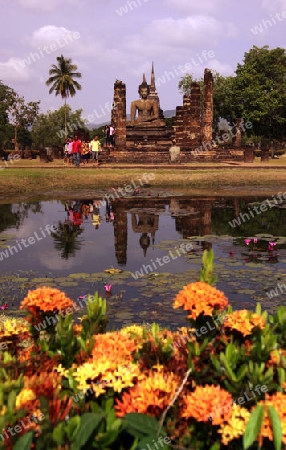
{"type": "Point", "coordinates": [25, 183]}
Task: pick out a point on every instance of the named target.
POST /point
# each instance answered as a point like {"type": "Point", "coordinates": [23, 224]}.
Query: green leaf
{"type": "Point", "coordinates": [216, 446]}
{"type": "Point", "coordinates": [73, 427]}
{"type": "Point", "coordinates": [253, 426]}
{"type": "Point", "coordinates": [151, 441]}
{"type": "Point", "coordinates": [276, 427]}
{"type": "Point", "coordinates": [25, 442]}
{"type": "Point", "coordinates": [281, 375]}
{"type": "Point", "coordinates": [12, 400]}
{"type": "Point", "coordinates": [88, 423]}
{"type": "Point", "coordinates": [141, 422]}
{"type": "Point", "coordinates": [59, 433]}
{"type": "Point", "coordinates": [108, 439]}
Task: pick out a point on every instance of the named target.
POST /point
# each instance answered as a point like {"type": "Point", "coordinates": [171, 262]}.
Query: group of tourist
{"type": "Point", "coordinates": [83, 209]}
{"type": "Point", "coordinates": [77, 151]}
{"type": "Point", "coordinates": [109, 132]}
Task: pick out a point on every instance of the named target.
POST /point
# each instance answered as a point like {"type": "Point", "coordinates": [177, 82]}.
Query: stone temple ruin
{"type": "Point", "coordinates": [146, 137]}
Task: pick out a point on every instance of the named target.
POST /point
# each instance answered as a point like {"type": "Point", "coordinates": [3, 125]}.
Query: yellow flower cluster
{"type": "Point", "coordinates": [150, 395]}
{"type": "Point", "coordinates": [13, 327]}
{"type": "Point", "coordinates": [26, 395]}
{"type": "Point", "coordinates": [244, 321]}
{"type": "Point", "coordinates": [102, 374]}
{"type": "Point", "coordinates": [235, 426]}
{"type": "Point", "coordinates": [132, 329]}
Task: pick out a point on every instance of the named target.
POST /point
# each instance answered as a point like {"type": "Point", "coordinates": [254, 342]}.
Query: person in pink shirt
{"type": "Point", "coordinates": [77, 147]}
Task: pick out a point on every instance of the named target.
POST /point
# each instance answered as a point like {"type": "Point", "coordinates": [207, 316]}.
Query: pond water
{"type": "Point", "coordinates": [147, 246]}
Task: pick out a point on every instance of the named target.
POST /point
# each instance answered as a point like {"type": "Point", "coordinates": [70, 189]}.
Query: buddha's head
{"type": "Point", "coordinates": [143, 90]}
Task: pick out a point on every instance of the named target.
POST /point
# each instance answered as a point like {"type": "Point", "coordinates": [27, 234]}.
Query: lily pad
{"type": "Point", "coordinates": [79, 275]}
{"type": "Point", "coordinates": [42, 280]}
{"type": "Point", "coordinates": [68, 283]}
{"type": "Point", "coordinates": [246, 291]}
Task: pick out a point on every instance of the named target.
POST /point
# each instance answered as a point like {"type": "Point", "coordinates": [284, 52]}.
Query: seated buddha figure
{"type": "Point", "coordinates": [147, 109]}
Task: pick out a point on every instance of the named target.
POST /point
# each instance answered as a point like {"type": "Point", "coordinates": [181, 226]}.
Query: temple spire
{"type": "Point", "coordinates": [152, 85]}
{"type": "Point", "coordinates": [144, 78]}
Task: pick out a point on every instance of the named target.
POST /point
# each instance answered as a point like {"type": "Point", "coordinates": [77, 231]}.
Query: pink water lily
{"type": "Point", "coordinates": [108, 288]}
{"type": "Point", "coordinates": [271, 246]}
{"type": "Point", "coordinates": [247, 241]}
{"type": "Point", "coordinates": [231, 253]}
{"type": "Point", "coordinates": [3, 307]}
{"type": "Point", "coordinates": [255, 240]}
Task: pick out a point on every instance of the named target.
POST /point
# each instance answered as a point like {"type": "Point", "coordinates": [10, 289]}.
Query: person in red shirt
{"type": "Point", "coordinates": [77, 147]}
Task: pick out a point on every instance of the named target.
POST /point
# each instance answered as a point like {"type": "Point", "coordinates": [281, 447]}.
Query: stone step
{"type": "Point", "coordinates": [121, 156]}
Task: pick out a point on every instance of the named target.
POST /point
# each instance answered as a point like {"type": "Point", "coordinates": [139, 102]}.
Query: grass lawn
{"type": "Point", "coordinates": [32, 179]}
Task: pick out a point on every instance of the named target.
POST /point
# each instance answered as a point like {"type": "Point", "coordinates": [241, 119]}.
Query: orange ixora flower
{"type": "Point", "coordinates": [244, 321]}
{"type": "Point", "coordinates": [46, 299]}
{"type": "Point", "coordinates": [151, 395]}
{"type": "Point", "coordinates": [200, 298]}
{"type": "Point", "coordinates": [278, 401]}
{"type": "Point", "coordinates": [208, 403]}
{"type": "Point", "coordinates": [116, 346]}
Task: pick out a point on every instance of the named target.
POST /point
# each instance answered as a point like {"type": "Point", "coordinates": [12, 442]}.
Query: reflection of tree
{"type": "Point", "coordinates": [271, 221]}
{"type": "Point", "coordinates": [65, 238]}
{"type": "Point", "coordinates": [12, 216]}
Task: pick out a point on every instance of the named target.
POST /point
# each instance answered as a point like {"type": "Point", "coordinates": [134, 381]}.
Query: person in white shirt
{"type": "Point", "coordinates": [111, 135]}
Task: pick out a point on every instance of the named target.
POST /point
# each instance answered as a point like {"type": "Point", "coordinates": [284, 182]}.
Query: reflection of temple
{"type": "Point", "coordinates": [192, 216]}
{"type": "Point", "coordinates": [145, 223]}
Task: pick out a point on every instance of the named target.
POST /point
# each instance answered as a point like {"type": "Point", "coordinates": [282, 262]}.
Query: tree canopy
{"type": "Point", "coordinates": [256, 92]}
{"type": "Point", "coordinates": [62, 80]}
{"type": "Point", "coordinates": [49, 128]}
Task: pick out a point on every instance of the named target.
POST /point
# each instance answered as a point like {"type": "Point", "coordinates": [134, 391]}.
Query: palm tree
{"type": "Point", "coordinates": [62, 80]}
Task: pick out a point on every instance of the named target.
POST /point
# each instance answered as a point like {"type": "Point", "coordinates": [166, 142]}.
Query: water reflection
{"type": "Point", "coordinates": [91, 236]}
{"type": "Point", "coordinates": [129, 228]}
{"type": "Point", "coordinates": [14, 215]}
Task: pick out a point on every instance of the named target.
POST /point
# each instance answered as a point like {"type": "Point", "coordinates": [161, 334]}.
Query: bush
{"type": "Point", "coordinates": [217, 383]}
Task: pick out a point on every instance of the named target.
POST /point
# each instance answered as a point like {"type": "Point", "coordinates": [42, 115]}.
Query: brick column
{"type": "Point", "coordinates": [178, 126]}
{"type": "Point", "coordinates": [207, 120]}
{"type": "Point", "coordinates": [237, 138]}
{"type": "Point", "coordinates": [118, 114]}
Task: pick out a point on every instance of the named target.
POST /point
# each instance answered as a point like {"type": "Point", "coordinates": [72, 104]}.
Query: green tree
{"type": "Point", "coordinates": [62, 81]}
{"type": "Point", "coordinates": [260, 90]}
{"type": "Point", "coordinates": [185, 82]}
{"type": "Point", "coordinates": [50, 128]}
{"type": "Point", "coordinates": [22, 115]}
{"type": "Point", "coordinates": [6, 99]}
{"type": "Point", "coordinates": [222, 94]}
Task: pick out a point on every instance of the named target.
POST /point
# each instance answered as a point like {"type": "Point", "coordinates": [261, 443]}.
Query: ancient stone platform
{"type": "Point", "coordinates": [149, 156]}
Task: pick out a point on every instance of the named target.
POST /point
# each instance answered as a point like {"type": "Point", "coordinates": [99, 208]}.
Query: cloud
{"type": "Point", "coordinates": [189, 36]}
{"type": "Point", "coordinates": [207, 6]}
{"type": "Point", "coordinates": [222, 68]}
{"type": "Point", "coordinates": [14, 70]}
{"type": "Point", "coordinates": [44, 6]}
{"type": "Point", "coordinates": [274, 6]}
{"type": "Point", "coordinates": [197, 30]}
{"type": "Point", "coordinates": [60, 37]}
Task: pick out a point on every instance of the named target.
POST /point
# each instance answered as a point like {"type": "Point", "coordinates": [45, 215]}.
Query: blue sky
{"type": "Point", "coordinates": [119, 39]}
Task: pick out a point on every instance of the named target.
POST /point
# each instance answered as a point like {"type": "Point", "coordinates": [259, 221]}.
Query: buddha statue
{"type": "Point", "coordinates": [147, 108]}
